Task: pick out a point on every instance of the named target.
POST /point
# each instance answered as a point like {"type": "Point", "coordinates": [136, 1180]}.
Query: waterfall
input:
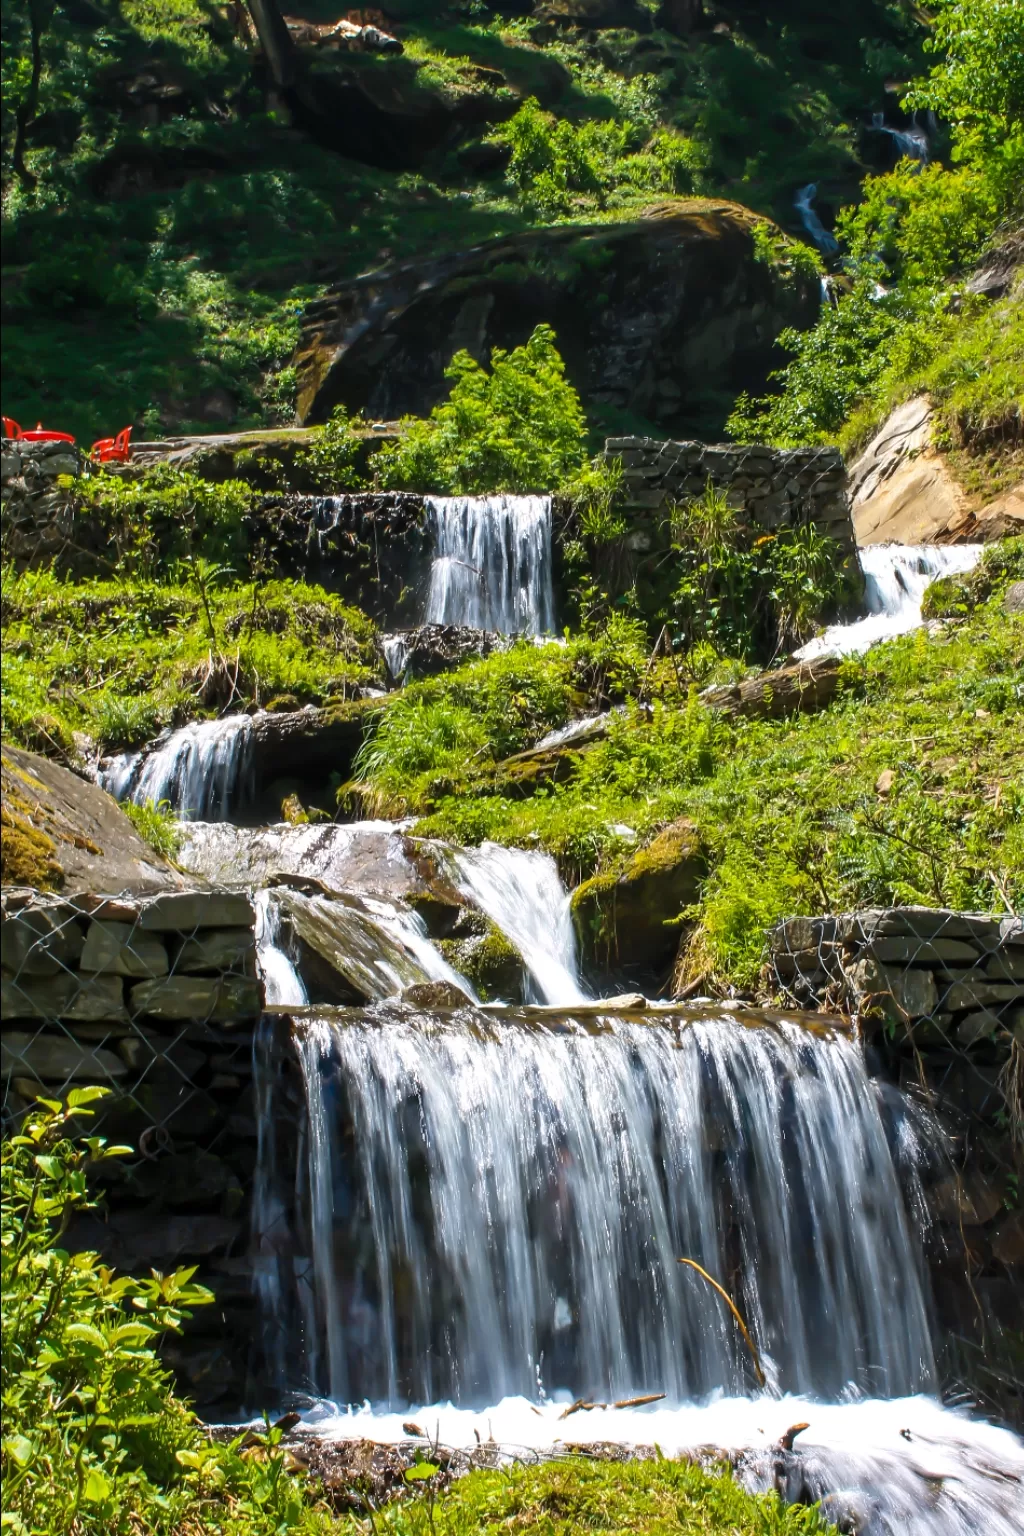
{"type": "Point", "coordinates": [492, 563]}
{"type": "Point", "coordinates": [912, 142]}
{"type": "Point", "coordinates": [896, 577]}
{"type": "Point", "coordinates": [282, 983]}
{"type": "Point", "coordinates": [396, 655]}
{"type": "Point", "coordinates": [201, 770]}
{"type": "Point", "coordinates": [497, 1205]}
{"type": "Point", "coordinates": [365, 855]}
{"type": "Point", "coordinates": [823, 239]}
{"type": "Point", "coordinates": [522, 893]}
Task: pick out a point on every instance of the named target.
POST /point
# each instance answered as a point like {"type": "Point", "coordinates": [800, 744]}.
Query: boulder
{"type": "Point", "coordinates": [61, 833]}
{"type": "Point", "coordinates": [481, 952]}
{"type": "Point", "coordinates": [904, 491]}
{"type": "Point", "coordinates": [629, 921]}
{"type": "Point", "coordinates": [653, 316]}
{"type": "Point", "coordinates": [435, 994]}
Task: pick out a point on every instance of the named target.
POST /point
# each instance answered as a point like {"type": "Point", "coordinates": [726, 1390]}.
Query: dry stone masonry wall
{"type": "Point", "coordinates": [158, 1000]}
{"type": "Point", "coordinates": [939, 997]}
{"type": "Point", "coordinates": [775, 487]}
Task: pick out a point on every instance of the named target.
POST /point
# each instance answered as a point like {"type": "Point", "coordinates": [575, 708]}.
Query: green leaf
{"type": "Point", "coordinates": [86, 1333]}
{"type": "Point", "coordinates": [19, 1449]}
{"type": "Point", "coordinates": [96, 1487]}
{"type": "Point", "coordinates": [80, 1096]}
{"type": "Point", "coordinates": [421, 1472]}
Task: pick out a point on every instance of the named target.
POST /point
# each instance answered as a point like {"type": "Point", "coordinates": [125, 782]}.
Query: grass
{"type": "Point", "coordinates": [119, 660]}
{"type": "Point", "coordinates": [569, 1498]}
{"type": "Point", "coordinates": [789, 811]}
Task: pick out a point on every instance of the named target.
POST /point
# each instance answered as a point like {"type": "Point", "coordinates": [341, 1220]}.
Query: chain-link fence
{"type": "Point", "coordinates": [939, 999]}
{"type": "Point", "coordinates": [156, 1000]}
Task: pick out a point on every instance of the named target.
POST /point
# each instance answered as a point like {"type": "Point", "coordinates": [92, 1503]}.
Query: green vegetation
{"type": "Point", "coordinates": [165, 221]}
{"type": "Point", "coordinates": [904, 327]}
{"type": "Point", "coordinates": [97, 1443]}
{"type": "Point", "coordinates": [122, 659]}
{"type": "Point", "coordinates": [788, 810]}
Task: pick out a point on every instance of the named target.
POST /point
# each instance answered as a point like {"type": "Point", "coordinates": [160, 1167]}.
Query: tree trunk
{"type": "Point", "coordinates": [276, 41]}
{"type": "Point", "coordinates": [39, 13]}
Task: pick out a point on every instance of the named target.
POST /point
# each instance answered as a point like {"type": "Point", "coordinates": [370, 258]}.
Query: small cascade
{"type": "Point", "coordinates": [576, 730]}
{"type": "Point", "coordinates": [281, 981]}
{"type": "Point", "coordinates": [201, 771]}
{"type": "Point", "coordinates": [896, 577]}
{"type": "Point", "coordinates": [522, 893]}
{"type": "Point", "coordinates": [492, 563]}
{"type": "Point", "coordinates": [911, 143]}
{"type": "Point", "coordinates": [378, 946]}
{"type": "Point", "coordinates": [497, 1206]}
{"type": "Point", "coordinates": [803, 203]}
{"type": "Point", "coordinates": [396, 656]}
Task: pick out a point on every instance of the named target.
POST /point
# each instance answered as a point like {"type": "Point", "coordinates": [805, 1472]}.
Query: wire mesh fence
{"type": "Point", "coordinates": [939, 999]}
{"type": "Point", "coordinates": [155, 1000]}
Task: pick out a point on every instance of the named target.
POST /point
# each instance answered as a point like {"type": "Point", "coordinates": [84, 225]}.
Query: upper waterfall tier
{"type": "Point", "coordinates": [200, 771]}
{"type": "Point", "coordinates": [492, 563]}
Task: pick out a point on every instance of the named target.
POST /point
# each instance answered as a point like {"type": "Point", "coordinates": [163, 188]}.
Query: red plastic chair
{"type": "Point", "coordinates": [11, 428]}
{"type": "Point", "coordinates": [113, 450]}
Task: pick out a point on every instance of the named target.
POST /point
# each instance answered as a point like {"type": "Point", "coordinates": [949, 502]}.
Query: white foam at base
{"type": "Point", "coordinates": [915, 1467]}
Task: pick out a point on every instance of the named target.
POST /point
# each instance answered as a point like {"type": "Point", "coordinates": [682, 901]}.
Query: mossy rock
{"type": "Point", "coordinates": [627, 922]}
{"type": "Point", "coordinates": [492, 965]}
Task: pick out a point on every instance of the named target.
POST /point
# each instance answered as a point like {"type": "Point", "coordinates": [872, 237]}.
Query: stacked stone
{"type": "Point", "coordinates": [775, 487]}
{"type": "Point", "coordinates": [38, 516]}
{"type": "Point", "coordinates": [944, 977]}
{"type": "Point", "coordinates": [155, 999]}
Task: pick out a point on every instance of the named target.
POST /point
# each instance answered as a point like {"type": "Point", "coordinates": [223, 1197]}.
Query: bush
{"type": "Point", "coordinates": [519, 427]}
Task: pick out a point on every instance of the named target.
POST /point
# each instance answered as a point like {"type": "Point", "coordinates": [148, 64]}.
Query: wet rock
{"type": "Point", "coordinates": [970, 1201]}
{"type": "Point", "coordinates": [228, 949]}
{"type": "Point", "coordinates": [629, 920]}
{"type": "Point", "coordinates": [492, 965]}
{"type": "Point", "coordinates": [677, 294]}
{"type": "Point", "coordinates": [1008, 1239]}
{"type": "Point", "coordinates": [435, 994]}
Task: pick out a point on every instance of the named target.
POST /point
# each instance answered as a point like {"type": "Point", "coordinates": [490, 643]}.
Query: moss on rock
{"type": "Point", "coordinates": [628, 921]}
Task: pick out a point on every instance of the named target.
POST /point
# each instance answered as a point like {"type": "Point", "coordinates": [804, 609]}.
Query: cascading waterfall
{"type": "Point", "coordinates": [803, 203]}
{"type": "Point", "coordinates": [492, 563]}
{"type": "Point", "coordinates": [912, 143]}
{"type": "Point", "coordinates": [201, 770]}
{"type": "Point", "coordinates": [522, 893]}
{"type": "Point", "coordinates": [896, 577]}
{"type": "Point", "coordinates": [494, 1206]}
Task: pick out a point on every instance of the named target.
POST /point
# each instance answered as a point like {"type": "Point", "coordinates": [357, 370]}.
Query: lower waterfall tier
{"type": "Point", "coordinates": [473, 1208]}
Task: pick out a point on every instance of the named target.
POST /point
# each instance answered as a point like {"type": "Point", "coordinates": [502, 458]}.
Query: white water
{"type": "Point", "coordinates": [502, 1205]}
{"type": "Point", "coordinates": [396, 655]}
{"type": "Point", "coordinates": [802, 202]}
{"type": "Point", "coordinates": [366, 856]}
{"type": "Point", "coordinates": [492, 563]}
{"type": "Point", "coordinates": [911, 142]}
{"type": "Point", "coordinates": [896, 577]}
{"type": "Point", "coordinates": [200, 770]}
{"type": "Point", "coordinates": [281, 981]}
{"type": "Point", "coordinates": [576, 730]}
{"type": "Point", "coordinates": [522, 893]}
{"type": "Point", "coordinates": [902, 1467]}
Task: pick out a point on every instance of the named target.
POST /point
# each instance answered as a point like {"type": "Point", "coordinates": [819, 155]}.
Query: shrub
{"type": "Point", "coordinates": [519, 427]}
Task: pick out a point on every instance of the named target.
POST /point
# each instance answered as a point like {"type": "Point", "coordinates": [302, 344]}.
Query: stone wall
{"type": "Point", "coordinates": [158, 1000]}
{"type": "Point", "coordinates": [37, 514]}
{"type": "Point", "coordinates": [939, 998]}
{"type": "Point", "coordinates": [775, 487]}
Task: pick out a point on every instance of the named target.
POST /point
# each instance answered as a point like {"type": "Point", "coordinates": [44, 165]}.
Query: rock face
{"type": "Point", "coordinates": [903, 491]}
{"type": "Point", "coordinates": [626, 922]}
{"type": "Point", "coordinates": [655, 316]}
{"type": "Point", "coordinates": [60, 833]}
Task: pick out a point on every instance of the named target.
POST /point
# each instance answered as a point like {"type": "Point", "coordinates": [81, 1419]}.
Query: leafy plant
{"type": "Point", "coordinates": [519, 427]}
{"type": "Point", "coordinates": [156, 824]}
{"type": "Point", "coordinates": [332, 458]}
